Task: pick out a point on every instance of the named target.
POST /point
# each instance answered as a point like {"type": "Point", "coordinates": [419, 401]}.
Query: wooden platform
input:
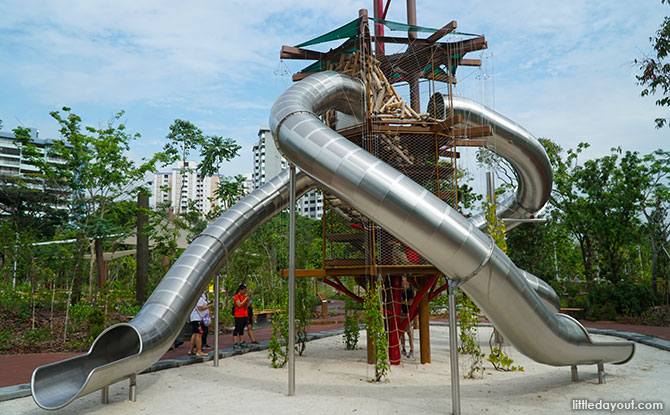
{"type": "Point", "coordinates": [356, 270]}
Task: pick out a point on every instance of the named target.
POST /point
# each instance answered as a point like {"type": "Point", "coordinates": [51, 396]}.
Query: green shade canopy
{"type": "Point", "coordinates": [348, 31]}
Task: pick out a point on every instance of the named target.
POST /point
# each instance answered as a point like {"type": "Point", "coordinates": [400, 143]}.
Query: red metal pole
{"type": "Point", "coordinates": [394, 333]}
{"type": "Point", "coordinates": [379, 28]}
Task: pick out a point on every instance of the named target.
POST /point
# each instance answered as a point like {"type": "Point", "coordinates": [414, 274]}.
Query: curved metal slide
{"type": "Point", "coordinates": [431, 227]}
{"type": "Point", "coordinates": [506, 294]}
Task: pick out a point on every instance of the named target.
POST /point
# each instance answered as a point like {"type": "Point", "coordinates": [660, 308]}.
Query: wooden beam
{"type": "Point", "coordinates": [465, 46]}
{"type": "Point", "coordinates": [448, 28]}
{"type": "Point", "coordinates": [470, 143]}
{"type": "Point", "coordinates": [292, 52]}
{"type": "Point", "coordinates": [469, 62]}
{"type": "Point", "coordinates": [473, 132]}
{"type": "Point", "coordinates": [301, 75]}
{"type": "Point", "coordinates": [438, 77]}
{"type": "Point", "coordinates": [345, 237]}
{"type": "Point", "coordinates": [447, 124]}
{"type": "Point", "coordinates": [304, 273]}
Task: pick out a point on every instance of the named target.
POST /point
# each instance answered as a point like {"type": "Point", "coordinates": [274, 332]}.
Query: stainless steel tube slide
{"type": "Point", "coordinates": [428, 225]}
{"type": "Point", "coordinates": [129, 348]}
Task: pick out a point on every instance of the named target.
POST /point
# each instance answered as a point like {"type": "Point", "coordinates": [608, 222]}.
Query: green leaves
{"type": "Point", "coordinates": [655, 70]}
{"type": "Point", "coordinates": [372, 312]}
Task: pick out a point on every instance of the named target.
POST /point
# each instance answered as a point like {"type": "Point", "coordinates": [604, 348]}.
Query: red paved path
{"type": "Point", "coordinates": [17, 369]}
{"type": "Point", "coordinates": [654, 331]}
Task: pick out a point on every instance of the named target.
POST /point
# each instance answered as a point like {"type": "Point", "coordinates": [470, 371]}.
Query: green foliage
{"type": "Point", "coordinates": [33, 337]}
{"type": "Point", "coordinates": [15, 303]}
{"type": "Point", "coordinates": [89, 317]}
{"type": "Point", "coordinates": [7, 337]}
{"type": "Point", "coordinates": [372, 312]}
{"type": "Point", "coordinates": [501, 361]}
{"type": "Point", "coordinates": [468, 336]}
{"type": "Point", "coordinates": [351, 320]}
{"type": "Point", "coordinates": [495, 226]}
{"type": "Point", "coordinates": [607, 300]}
{"type": "Point", "coordinates": [278, 344]}
{"type": "Point", "coordinates": [655, 70]}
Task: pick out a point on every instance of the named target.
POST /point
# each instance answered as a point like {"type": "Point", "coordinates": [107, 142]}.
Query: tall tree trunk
{"type": "Point", "coordinates": [654, 266]}
{"type": "Point", "coordinates": [100, 262]}
{"type": "Point", "coordinates": [91, 271]}
{"type": "Point", "coordinates": [78, 270]}
{"type": "Point", "coordinates": [142, 257]}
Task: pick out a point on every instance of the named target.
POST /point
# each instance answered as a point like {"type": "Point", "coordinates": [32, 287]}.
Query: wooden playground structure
{"type": "Point", "coordinates": [416, 143]}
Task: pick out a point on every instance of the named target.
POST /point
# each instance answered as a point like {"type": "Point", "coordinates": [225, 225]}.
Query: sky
{"type": "Point", "coordinates": [563, 70]}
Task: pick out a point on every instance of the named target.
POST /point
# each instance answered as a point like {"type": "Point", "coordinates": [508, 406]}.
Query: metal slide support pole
{"type": "Point", "coordinates": [601, 373]}
{"type": "Point", "coordinates": [453, 354]}
{"type": "Point", "coordinates": [490, 187]}
{"type": "Point", "coordinates": [217, 294]}
{"type": "Point", "coordinates": [291, 285]}
{"type": "Point", "coordinates": [574, 373]}
{"type": "Point", "coordinates": [104, 395]}
{"type": "Point", "coordinates": [132, 390]}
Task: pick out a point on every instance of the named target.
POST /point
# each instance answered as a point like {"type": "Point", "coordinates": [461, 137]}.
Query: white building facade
{"type": "Point", "coordinates": [12, 162]}
{"type": "Point", "coordinates": [268, 162]}
{"type": "Point", "coordinates": [183, 183]}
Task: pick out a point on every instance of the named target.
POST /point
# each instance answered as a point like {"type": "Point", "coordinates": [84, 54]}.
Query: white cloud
{"type": "Point", "coordinates": [561, 69]}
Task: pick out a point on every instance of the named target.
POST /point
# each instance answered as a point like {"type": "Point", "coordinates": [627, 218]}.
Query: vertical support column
{"type": "Point", "coordinates": [132, 390]}
{"type": "Point", "coordinates": [453, 354]}
{"type": "Point", "coordinates": [100, 263]}
{"type": "Point", "coordinates": [424, 330]}
{"type": "Point", "coordinates": [601, 373]}
{"type": "Point", "coordinates": [379, 28]}
{"type": "Point", "coordinates": [104, 395]}
{"type": "Point", "coordinates": [291, 285]}
{"type": "Point", "coordinates": [490, 187]}
{"type": "Point", "coordinates": [142, 256]}
{"type": "Point", "coordinates": [394, 332]}
{"type": "Point", "coordinates": [371, 341]}
{"type": "Point", "coordinates": [217, 304]}
{"type": "Point", "coordinates": [414, 97]}
{"type": "Point", "coordinates": [574, 373]}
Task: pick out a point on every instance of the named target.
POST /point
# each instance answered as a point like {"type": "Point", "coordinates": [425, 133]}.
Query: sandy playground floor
{"type": "Point", "coordinates": [332, 380]}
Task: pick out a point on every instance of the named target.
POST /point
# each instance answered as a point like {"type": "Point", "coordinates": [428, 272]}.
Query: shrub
{"type": "Point", "coordinates": [375, 326]}
{"type": "Point", "coordinates": [607, 300]}
{"type": "Point", "coordinates": [351, 318]}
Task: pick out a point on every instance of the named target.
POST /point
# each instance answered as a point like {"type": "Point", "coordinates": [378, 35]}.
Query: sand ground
{"type": "Point", "coordinates": [332, 380]}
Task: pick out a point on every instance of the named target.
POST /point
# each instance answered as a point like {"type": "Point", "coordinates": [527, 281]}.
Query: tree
{"type": "Point", "coordinates": [655, 70]}
{"type": "Point", "coordinates": [612, 187]}
{"type": "Point", "coordinates": [183, 137]}
{"type": "Point", "coordinates": [656, 209]}
{"type": "Point", "coordinates": [569, 204]}
{"type": "Point", "coordinates": [88, 169]}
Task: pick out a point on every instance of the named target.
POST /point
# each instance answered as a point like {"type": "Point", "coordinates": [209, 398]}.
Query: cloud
{"type": "Point", "coordinates": [554, 66]}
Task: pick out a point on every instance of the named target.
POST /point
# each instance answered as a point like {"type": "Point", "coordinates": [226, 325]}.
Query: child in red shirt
{"type": "Point", "coordinates": [241, 302]}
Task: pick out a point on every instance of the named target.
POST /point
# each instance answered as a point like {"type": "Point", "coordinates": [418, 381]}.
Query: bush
{"type": "Point", "coordinates": [15, 303]}
{"type": "Point", "coordinates": [607, 300]}
{"type": "Point", "coordinates": [351, 318]}
{"type": "Point", "coordinates": [33, 337]}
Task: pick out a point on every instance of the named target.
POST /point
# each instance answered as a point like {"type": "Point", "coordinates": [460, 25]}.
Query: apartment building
{"type": "Point", "coordinates": [268, 162]}
{"type": "Point", "coordinates": [181, 184]}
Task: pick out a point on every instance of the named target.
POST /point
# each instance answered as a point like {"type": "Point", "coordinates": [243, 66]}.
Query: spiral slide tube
{"type": "Point", "coordinates": [129, 348]}
{"type": "Point", "coordinates": [508, 295]}
{"type": "Point", "coordinates": [431, 227]}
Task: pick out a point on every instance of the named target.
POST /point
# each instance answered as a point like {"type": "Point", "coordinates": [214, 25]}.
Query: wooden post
{"type": "Point", "coordinates": [100, 263]}
{"type": "Point", "coordinates": [371, 349]}
{"type": "Point", "coordinates": [142, 255]}
{"type": "Point", "coordinates": [424, 330]}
